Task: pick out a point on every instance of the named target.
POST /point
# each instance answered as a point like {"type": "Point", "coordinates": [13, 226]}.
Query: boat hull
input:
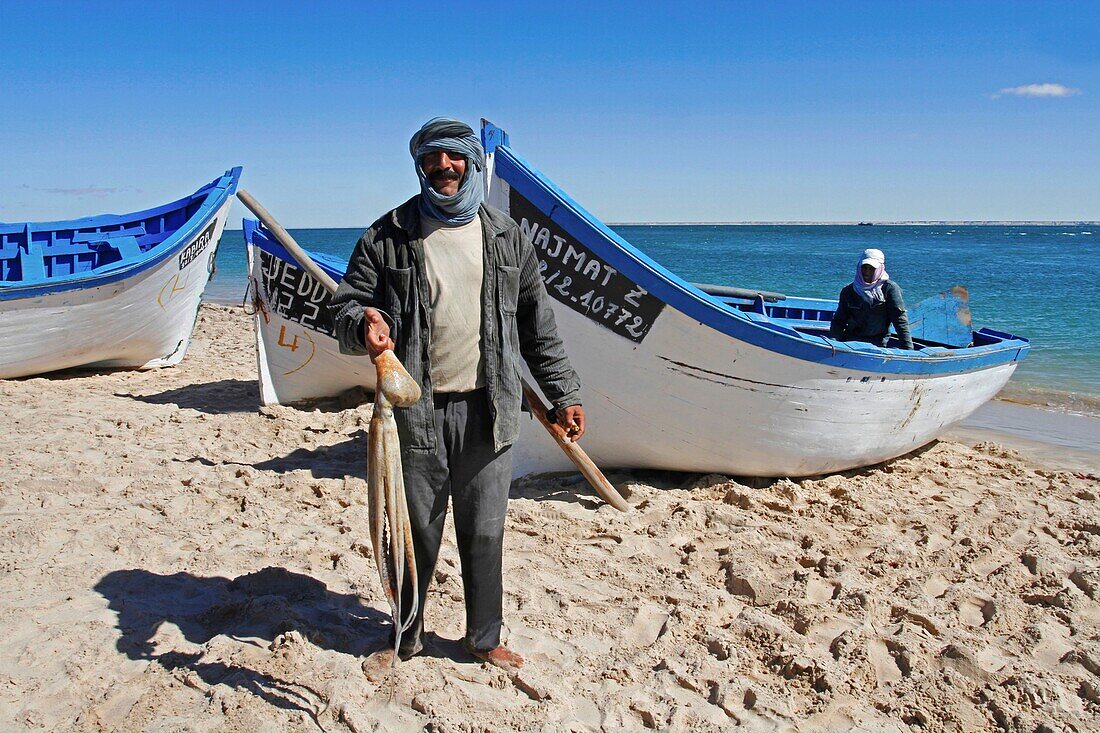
{"type": "Point", "coordinates": [698, 401]}
{"type": "Point", "coordinates": [686, 398]}
{"type": "Point", "coordinates": [298, 356]}
{"type": "Point", "coordinates": [672, 377]}
{"type": "Point", "coordinates": [143, 321]}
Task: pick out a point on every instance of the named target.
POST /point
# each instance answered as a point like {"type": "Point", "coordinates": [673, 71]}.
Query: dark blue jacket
{"type": "Point", "coordinates": [857, 320]}
{"type": "Point", "coordinates": [387, 272]}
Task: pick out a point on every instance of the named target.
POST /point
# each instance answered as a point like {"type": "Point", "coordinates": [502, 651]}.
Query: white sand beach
{"type": "Point", "coordinates": [176, 558]}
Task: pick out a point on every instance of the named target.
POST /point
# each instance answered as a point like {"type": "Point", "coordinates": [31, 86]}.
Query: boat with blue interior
{"type": "Point", "coordinates": [109, 290]}
{"type": "Point", "coordinates": [675, 375]}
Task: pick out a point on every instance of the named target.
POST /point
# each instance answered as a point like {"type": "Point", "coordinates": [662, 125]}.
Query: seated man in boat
{"type": "Point", "coordinates": [870, 304]}
{"type": "Point", "coordinates": [459, 284]}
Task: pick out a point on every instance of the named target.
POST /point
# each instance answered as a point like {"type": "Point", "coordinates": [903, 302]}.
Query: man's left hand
{"type": "Point", "coordinates": [571, 420]}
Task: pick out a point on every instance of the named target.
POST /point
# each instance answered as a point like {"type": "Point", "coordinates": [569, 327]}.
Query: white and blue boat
{"type": "Point", "coordinates": [109, 290]}
{"type": "Point", "coordinates": [675, 376]}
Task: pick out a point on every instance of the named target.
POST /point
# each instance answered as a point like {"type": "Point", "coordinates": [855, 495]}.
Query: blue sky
{"type": "Point", "coordinates": [674, 112]}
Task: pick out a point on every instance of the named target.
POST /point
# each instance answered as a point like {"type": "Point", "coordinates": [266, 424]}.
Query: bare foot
{"type": "Point", "coordinates": [502, 657]}
{"type": "Point", "coordinates": [379, 664]}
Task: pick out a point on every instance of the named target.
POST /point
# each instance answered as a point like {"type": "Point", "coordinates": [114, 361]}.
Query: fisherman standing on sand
{"type": "Point", "coordinates": [453, 287]}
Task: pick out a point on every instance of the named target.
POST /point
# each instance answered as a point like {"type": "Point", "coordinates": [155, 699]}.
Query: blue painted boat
{"type": "Point", "coordinates": [675, 375]}
{"type": "Point", "coordinates": [109, 290]}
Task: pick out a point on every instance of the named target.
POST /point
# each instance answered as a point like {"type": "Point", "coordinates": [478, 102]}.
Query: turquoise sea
{"type": "Point", "coordinates": [1039, 282]}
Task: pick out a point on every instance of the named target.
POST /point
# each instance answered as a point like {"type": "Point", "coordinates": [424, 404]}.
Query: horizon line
{"type": "Point", "coordinates": [900, 222]}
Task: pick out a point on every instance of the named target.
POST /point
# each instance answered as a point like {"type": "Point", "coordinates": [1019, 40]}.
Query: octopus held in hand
{"type": "Point", "coordinates": [390, 532]}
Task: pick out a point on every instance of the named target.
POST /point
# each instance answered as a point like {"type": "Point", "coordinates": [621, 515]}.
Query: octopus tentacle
{"type": "Point", "coordinates": [376, 496]}
{"type": "Point", "coordinates": [391, 532]}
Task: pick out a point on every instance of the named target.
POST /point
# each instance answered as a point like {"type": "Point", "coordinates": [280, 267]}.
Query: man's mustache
{"type": "Point", "coordinates": [443, 175]}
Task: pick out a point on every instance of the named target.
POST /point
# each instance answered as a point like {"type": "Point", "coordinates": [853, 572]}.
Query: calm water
{"type": "Point", "coordinates": [1034, 281]}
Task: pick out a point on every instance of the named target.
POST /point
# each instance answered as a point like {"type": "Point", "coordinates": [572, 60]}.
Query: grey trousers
{"type": "Point", "coordinates": [465, 468]}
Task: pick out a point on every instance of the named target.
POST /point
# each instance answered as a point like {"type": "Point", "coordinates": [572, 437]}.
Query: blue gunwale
{"type": "Point", "coordinates": [713, 312]}
{"type": "Point", "coordinates": [214, 195]}
{"type": "Point", "coordinates": [1004, 344]}
{"type": "Point", "coordinates": [257, 235]}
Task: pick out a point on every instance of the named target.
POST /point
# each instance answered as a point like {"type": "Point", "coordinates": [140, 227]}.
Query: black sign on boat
{"type": "Point", "coordinates": [577, 278]}
{"type": "Point", "coordinates": [191, 252]}
{"type": "Point", "coordinates": [295, 295]}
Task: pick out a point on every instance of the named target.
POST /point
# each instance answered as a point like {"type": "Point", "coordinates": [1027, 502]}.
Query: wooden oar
{"type": "Point", "coordinates": [284, 238]}
{"type": "Point", "coordinates": [574, 452]}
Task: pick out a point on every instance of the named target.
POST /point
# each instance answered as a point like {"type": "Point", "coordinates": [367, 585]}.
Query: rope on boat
{"type": "Point", "coordinates": [258, 301]}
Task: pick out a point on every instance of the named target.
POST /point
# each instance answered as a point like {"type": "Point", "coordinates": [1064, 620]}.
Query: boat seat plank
{"type": "Point", "coordinates": [802, 324]}
{"type": "Point", "coordinates": [31, 263]}
{"type": "Point", "coordinates": [92, 237]}
{"type": "Point", "coordinates": [128, 247]}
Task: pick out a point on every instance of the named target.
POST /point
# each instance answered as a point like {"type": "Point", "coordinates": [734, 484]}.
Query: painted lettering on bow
{"type": "Point", "coordinates": [576, 277]}
{"type": "Point", "coordinates": [294, 295]}
{"type": "Point", "coordinates": [191, 252]}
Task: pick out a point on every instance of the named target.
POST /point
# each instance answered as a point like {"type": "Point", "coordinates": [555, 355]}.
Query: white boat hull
{"type": "Point", "coordinates": [298, 357]}
{"type": "Point", "coordinates": [696, 399]}
{"type": "Point", "coordinates": [699, 401]}
{"type": "Point", "coordinates": [672, 377]}
{"type": "Point", "coordinates": [144, 321]}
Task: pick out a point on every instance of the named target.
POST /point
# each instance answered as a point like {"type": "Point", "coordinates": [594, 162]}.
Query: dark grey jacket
{"type": "Point", "coordinates": [386, 271]}
{"type": "Point", "coordinates": [857, 320]}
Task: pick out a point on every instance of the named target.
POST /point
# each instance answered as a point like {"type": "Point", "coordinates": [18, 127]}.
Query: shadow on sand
{"type": "Point", "coordinates": [261, 605]}
{"type": "Point", "coordinates": [240, 395]}
{"type": "Point", "coordinates": [348, 458]}
{"type": "Point", "coordinates": [570, 487]}
{"type": "Point", "coordinates": [215, 398]}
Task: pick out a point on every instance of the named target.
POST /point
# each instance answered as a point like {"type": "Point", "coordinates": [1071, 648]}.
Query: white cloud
{"type": "Point", "coordinates": [1039, 90]}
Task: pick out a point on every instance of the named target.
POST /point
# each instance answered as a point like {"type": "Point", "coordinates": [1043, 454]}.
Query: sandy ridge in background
{"type": "Point", "coordinates": [173, 558]}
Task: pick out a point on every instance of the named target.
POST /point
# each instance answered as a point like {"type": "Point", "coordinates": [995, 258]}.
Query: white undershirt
{"type": "Point", "coordinates": [453, 261]}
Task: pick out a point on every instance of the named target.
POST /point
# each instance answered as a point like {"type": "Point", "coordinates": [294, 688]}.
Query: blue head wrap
{"type": "Point", "coordinates": [444, 133]}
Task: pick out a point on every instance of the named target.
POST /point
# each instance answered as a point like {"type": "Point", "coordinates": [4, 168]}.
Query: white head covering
{"type": "Point", "coordinates": [872, 291]}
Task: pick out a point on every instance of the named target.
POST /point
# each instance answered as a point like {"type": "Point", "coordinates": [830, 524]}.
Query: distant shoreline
{"type": "Point", "coordinates": [926, 223]}
{"type": "Point", "coordinates": [929, 223]}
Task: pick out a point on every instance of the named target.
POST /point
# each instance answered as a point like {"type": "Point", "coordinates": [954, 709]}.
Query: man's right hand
{"type": "Point", "coordinates": [376, 333]}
